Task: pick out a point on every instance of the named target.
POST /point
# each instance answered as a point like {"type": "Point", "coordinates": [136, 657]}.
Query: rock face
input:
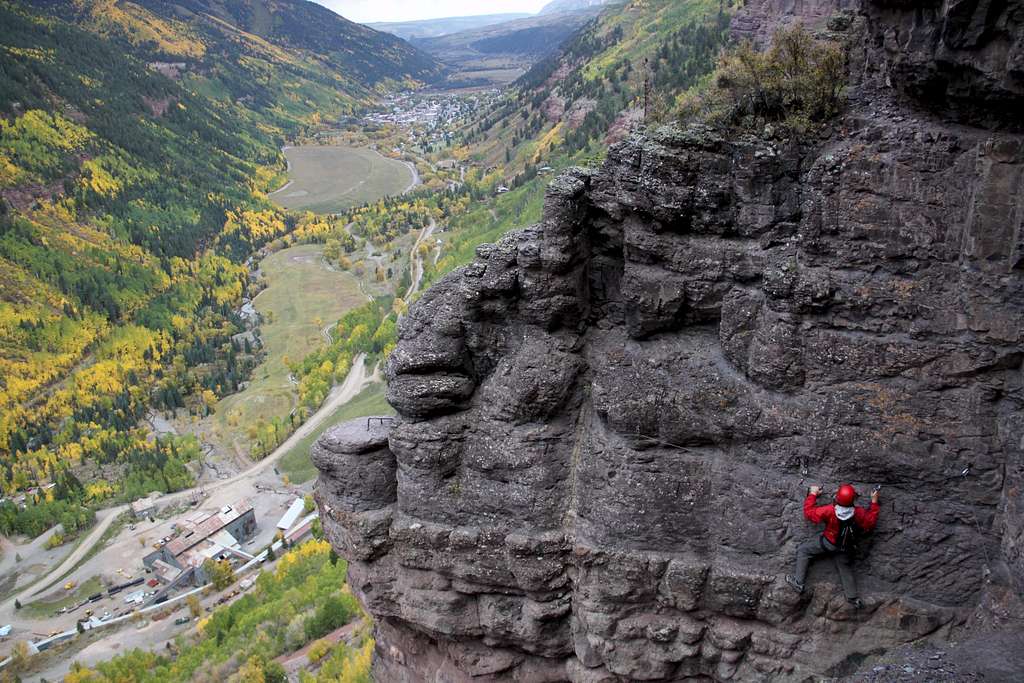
{"type": "Point", "coordinates": [609, 420]}
{"type": "Point", "coordinates": [965, 57]}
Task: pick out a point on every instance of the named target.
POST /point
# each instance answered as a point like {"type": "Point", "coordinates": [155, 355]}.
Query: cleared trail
{"type": "Point", "coordinates": [417, 260]}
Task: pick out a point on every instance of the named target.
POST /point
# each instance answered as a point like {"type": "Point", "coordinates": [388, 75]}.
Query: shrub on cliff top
{"type": "Point", "coordinates": [798, 82]}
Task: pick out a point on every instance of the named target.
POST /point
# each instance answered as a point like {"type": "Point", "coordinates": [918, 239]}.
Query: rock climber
{"type": "Point", "coordinates": [844, 522]}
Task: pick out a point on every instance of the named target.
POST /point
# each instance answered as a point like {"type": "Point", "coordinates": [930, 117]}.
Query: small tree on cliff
{"type": "Point", "coordinates": [798, 83]}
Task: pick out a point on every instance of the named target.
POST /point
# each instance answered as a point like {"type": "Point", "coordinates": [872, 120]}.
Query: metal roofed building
{"type": "Point", "coordinates": [145, 507]}
{"type": "Point", "coordinates": [292, 516]}
{"type": "Point", "coordinates": [229, 525]}
{"type": "Point", "coordinates": [165, 572]}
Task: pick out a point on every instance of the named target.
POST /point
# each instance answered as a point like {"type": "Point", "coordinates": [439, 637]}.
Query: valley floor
{"type": "Point", "coordinates": [304, 295]}
{"type": "Point", "coordinates": [333, 178]}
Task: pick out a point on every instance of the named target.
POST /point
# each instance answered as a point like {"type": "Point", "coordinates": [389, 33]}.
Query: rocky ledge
{"type": "Point", "coordinates": [608, 421]}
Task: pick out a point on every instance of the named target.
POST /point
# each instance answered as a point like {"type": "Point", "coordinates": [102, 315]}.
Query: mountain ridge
{"type": "Point", "coordinates": [565, 6]}
{"type": "Point", "coordinates": [435, 28]}
{"type": "Point", "coordinates": [372, 56]}
{"type": "Point", "coordinates": [509, 48]}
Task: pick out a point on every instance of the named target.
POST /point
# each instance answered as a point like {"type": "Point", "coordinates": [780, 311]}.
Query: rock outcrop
{"type": "Point", "coordinates": [608, 421]}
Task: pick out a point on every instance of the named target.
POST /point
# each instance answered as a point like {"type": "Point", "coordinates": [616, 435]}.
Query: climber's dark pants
{"type": "Point", "coordinates": [820, 546]}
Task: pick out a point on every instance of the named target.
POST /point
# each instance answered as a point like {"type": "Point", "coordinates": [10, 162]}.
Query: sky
{"type": "Point", "coordinates": [410, 10]}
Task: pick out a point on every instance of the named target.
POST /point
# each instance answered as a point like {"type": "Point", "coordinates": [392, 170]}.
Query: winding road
{"type": "Point", "coordinates": [417, 259]}
{"type": "Point", "coordinates": [415, 177]}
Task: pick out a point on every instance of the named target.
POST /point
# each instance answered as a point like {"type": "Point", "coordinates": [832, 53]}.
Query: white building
{"type": "Point", "coordinates": [292, 516]}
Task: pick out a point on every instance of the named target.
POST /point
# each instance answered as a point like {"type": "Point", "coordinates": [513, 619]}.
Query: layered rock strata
{"type": "Point", "coordinates": [608, 420]}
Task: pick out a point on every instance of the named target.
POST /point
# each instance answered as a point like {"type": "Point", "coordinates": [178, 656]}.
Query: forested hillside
{"type": "Point", "coordinates": [135, 152]}
{"type": "Point", "coordinates": [284, 61]}
{"type": "Point", "coordinates": [360, 53]}
{"type": "Point", "coordinates": [631, 61]}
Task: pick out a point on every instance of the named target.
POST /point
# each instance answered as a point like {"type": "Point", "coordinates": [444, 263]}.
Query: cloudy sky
{"type": "Point", "coordinates": [408, 10]}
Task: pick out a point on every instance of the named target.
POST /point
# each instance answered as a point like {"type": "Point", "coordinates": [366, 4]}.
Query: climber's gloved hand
{"type": "Point", "coordinates": [815, 490]}
{"type": "Point", "coordinates": [874, 495]}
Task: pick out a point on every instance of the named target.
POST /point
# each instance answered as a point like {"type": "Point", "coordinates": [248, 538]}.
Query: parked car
{"type": "Point", "coordinates": [182, 620]}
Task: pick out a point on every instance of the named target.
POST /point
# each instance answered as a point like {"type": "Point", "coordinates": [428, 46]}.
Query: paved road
{"type": "Point", "coordinates": [340, 394]}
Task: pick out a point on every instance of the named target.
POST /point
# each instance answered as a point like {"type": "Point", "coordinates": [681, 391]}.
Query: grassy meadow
{"type": "Point", "coordinates": [303, 297]}
{"type": "Point", "coordinates": [333, 178]}
{"type": "Point", "coordinates": [296, 465]}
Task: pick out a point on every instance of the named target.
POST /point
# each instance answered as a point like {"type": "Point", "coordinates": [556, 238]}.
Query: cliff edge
{"type": "Point", "coordinates": [608, 421]}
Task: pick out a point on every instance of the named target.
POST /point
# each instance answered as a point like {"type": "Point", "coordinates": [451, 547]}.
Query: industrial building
{"type": "Point", "coordinates": [298, 506]}
{"type": "Point", "coordinates": [145, 507]}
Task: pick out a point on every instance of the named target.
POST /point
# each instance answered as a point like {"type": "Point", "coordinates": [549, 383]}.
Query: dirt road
{"type": "Point", "coordinates": [415, 177]}
{"type": "Point", "coordinates": [417, 259]}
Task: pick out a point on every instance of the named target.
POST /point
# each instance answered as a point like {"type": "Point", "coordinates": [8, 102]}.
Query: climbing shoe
{"type": "Point", "coordinates": [797, 586]}
{"type": "Point", "coordinates": [856, 603]}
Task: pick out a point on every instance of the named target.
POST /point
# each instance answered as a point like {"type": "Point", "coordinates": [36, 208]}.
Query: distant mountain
{"type": "Point", "coordinates": [501, 53]}
{"type": "Point", "coordinates": [591, 91]}
{"type": "Point", "coordinates": [363, 53]}
{"type": "Point", "coordinates": [562, 6]}
{"type": "Point", "coordinates": [435, 28]}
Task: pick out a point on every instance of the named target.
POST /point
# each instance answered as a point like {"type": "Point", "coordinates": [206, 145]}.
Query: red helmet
{"type": "Point", "coordinates": [846, 495]}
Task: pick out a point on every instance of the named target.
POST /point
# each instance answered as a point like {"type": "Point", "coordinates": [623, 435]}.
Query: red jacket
{"type": "Point", "coordinates": [864, 519]}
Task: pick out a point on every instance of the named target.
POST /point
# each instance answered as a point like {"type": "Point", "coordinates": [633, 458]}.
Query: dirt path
{"type": "Point", "coordinates": [415, 177]}
{"type": "Point", "coordinates": [29, 552]}
{"type": "Point", "coordinates": [417, 260]}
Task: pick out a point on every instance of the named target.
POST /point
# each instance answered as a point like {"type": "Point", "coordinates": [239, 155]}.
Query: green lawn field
{"type": "Point", "coordinates": [303, 297]}
{"type": "Point", "coordinates": [296, 465]}
{"type": "Point", "coordinates": [331, 179]}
